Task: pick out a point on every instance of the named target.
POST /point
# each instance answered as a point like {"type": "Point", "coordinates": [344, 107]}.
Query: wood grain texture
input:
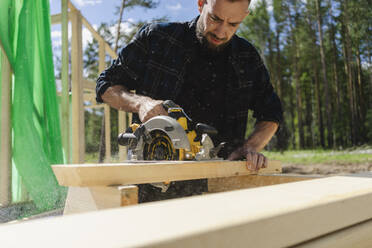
{"type": "Point", "coordinates": [5, 127]}
{"type": "Point", "coordinates": [244, 182]}
{"type": "Point", "coordinates": [78, 125]}
{"type": "Point", "coordinates": [85, 199]}
{"type": "Point", "coordinates": [356, 236]}
{"type": "Point", "coordinates": [150, 172]}
{"type": "Point", "coordinates": [273, 216]}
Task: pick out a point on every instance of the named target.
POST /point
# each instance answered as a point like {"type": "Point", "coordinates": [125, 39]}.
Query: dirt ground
{"type": "Point", "coordinates": [327, 169]}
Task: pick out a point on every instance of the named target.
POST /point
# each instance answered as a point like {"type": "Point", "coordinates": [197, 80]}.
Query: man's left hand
{"type": "Point", "coordinates": [255, 160]}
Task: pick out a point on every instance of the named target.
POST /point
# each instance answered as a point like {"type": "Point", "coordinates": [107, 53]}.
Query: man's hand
{"type": "Point", "coordinates": [118, 97]}
{"type": "Point", "coordinates": [150, 108]}
{"type": "Point", "coordinates": [261, 135]}
{"type": "Point", "coordinates": [255, 160]}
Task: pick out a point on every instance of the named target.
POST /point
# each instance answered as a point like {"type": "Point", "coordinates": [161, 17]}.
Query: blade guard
{"type": "Point", "coordinates": [167, 125]}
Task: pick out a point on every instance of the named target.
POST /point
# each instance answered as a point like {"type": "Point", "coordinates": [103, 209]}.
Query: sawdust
{"type": "Point", "coordinates": [328, 169]}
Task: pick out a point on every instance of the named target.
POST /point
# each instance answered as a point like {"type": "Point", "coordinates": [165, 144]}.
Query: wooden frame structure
{"type": "Point", "coordinates": [327, 212]}
{"type": "Point", "coordinates": [5, 141]}
{"type": "Point", "coordinates": [82, 89]}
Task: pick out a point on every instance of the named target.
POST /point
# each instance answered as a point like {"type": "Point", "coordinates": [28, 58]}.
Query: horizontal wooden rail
{"type": "Point", "coordinates": [57, 18]}
{"type": "Point", "coordinates": [89, 85]}
{"type": "Point", "coordinates": [151, 172]}
{"type": "Point", "coordinates": [273, 216]}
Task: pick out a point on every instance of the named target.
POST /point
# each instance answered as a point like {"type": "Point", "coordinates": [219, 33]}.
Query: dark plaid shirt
{"type": "Point", "coordinates": [163, 62]}
{"type": "Point", "coordinates": [156, 61]}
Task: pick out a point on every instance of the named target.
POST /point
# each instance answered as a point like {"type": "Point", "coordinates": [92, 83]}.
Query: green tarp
{"type": "Point", "coordinates": [25, 37]}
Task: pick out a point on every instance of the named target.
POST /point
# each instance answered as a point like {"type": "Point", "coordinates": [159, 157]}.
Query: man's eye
{"type": "Point", "coordinates": [214, 18]}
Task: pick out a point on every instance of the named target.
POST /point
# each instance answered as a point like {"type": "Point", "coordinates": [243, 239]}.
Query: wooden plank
{"type": "Point", "coordinates": [85, 199]}
{"type": "Point", "coordinates": [107, 117]}
{"type": "Point", "coordinates": [150, 172]}
{"type": "Point", "coordinates": [78, 136]}
{"type": "Point", "coordinates": [65, 96]}
{"type": "Point", "coordinates": [129, 195]}
{"type": "Point", "coordinates": [244, 182]}
{"type": "Point", "coordinates": [89, 85]}
{"type": "Point", "coordinates": [5, 123]}
{"type": "Point", "coordinates": [357, 236]}
{"type": "Point", "coordinates": [122, 126]}
{"type": "Point", "coordinates": [57, 18]}
{"type": "Point", "coordinates": [274, 216]}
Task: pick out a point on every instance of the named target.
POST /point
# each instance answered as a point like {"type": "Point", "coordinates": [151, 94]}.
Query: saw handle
{"type": "Point", "coordinates": [167, 104]}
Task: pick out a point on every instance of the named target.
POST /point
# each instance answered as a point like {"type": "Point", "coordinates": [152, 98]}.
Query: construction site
{"type": "Point", "coordinates": [51, 195]}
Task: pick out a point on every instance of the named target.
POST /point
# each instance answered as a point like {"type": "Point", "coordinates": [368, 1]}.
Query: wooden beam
{"type": "Point", "coordinates": [89, 85]}
{"type": "Point", "coordinates": [80, 200]}
{"type": "Point", "coordinates": [274, 216]}
{"type": "Point", "coordinates": [107, 117]}
{"type": "Point", "coordinates": [122, 126]}
{"type": "Point", "coordinates": [101, 67]}
{"type": "Point", "coordinates": [95, 34]}
{"type": "Point", "coordinates": [78, 136]}
{"type": "Point", "coordinates": [65, 96]}
{"type": "Point", "coordinates": [57, 18]}
{"type": "Point", "coordinates": [5, 123]}
{"type": "Point", "coordinates": [90, 97]}
{"type": "Point", "coordinates": [150, 172]}
{"type": "Point", "coordinates": [357, 236]}
{"type": "Point", "coordinates": [252, 181]}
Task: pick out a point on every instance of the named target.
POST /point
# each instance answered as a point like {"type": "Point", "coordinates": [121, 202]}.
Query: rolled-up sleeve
{"type": "Point", "coordinates": [128, 69]}
{"type": "Point", "coordinates": [266, 105]}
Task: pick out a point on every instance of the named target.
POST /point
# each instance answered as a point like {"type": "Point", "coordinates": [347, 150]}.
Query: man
{"type": "Point", "coordinates": [206, 69]}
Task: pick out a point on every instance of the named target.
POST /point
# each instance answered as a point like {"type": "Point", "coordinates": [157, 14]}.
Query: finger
{"type": "Point", "coordinates": [249, 161]}
{"type": "Point", "coordinates": [260, 161]}
{"type": "Point", "coordinates": [265, 162]}
{"type": "Point", "coordinates": [254, 161]}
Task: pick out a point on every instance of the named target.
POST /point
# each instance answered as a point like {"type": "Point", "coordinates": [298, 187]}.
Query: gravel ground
{"type": "Point", "coordinates": [327, 168]}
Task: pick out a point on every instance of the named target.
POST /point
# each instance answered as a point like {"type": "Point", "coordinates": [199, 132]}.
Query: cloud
{"type": "Point", "coordinates": [125, 27]}
{"type": "Point", "coordinates": [175, 7]}
{"type": "Point", "coordinates": [57, 37]}
{"type": "Point", "coordinates": [82, 3]}
{"type": "Point", "coordinates": [56, 34]}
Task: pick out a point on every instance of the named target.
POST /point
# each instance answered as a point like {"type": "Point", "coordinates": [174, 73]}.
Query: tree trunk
{"type": "Point", "coordinates": [328, 107]}
{"type": "Point", "coordinates": [338, 107]}
{"type": "Point", "coordinates": [318, 105]}
{"type": "Point", "coordinates": [347, 53]}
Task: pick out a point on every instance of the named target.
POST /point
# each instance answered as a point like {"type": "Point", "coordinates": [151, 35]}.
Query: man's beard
{"type": "Point", "coordinates": [202, 38]}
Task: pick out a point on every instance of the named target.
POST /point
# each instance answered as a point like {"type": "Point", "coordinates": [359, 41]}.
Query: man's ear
{"type": "Point", "coordinates": [201, 4]}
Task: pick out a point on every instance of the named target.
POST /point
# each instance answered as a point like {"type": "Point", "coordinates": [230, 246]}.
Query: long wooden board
{"type": "Point", "coordinates": [273, 216]}
{"type": "Point", "coordinates": [85, 175]}
{"type": "Point", "coordinates": [252, 181]}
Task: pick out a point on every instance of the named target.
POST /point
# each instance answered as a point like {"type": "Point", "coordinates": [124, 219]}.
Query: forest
{"type": "Point", "coordinates": [318, 53]}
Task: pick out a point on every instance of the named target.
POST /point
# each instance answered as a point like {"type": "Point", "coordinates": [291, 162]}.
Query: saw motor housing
{"type": "Point", "coordinates": [172, 137]}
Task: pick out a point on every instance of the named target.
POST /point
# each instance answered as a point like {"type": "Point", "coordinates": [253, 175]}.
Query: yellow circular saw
{"type": "Point", "coordinates": [172, 137]}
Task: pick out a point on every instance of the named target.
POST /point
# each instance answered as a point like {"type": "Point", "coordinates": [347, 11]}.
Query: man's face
{"type": "Point", "coordinates": [219, 20]}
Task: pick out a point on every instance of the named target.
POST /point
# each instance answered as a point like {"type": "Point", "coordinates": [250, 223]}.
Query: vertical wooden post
{"type": "Point", "coordinates": [5, 152]}
{"type": "Point", "coordinates": [107, 133]}
{"type": "Point", "coordinates": [122, 126]}
{"type": "Point", "coordinates": [65, 99]}
{"type": "Point", "coordinates": [78, 136]}
{"type": "Point", "coordinates": [101, 67]}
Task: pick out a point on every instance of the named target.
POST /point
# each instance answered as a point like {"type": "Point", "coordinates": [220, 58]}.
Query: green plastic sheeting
{"type": "Point", "coordinates": [25, 37]}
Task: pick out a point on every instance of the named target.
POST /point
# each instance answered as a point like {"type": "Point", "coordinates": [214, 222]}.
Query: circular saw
{"type": "Point", "coordinates": [172, 137]}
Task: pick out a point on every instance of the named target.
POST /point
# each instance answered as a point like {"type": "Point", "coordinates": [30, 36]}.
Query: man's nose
{"type": "Point", "coordinates": [220, 31]}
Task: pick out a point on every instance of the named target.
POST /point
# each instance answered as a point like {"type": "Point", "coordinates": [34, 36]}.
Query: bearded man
{"type": "Point", "coordinates": [204, 67]}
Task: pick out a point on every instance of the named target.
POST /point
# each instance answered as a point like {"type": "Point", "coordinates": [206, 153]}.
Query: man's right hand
{"type": "Point", "coordinates": [150, 108]}
{"type": "Point", "coordinates": [119, 98]}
